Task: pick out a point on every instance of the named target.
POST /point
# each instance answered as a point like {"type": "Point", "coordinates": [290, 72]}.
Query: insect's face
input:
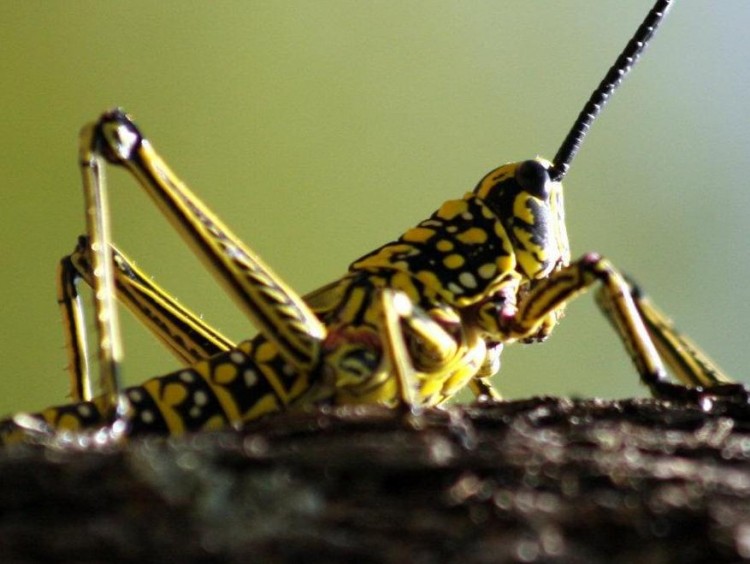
{"type": "Point", "coordinates": [530, 207]}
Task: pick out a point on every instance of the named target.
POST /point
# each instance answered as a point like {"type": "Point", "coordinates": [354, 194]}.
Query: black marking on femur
{"type": "Point", "coordinates": [361, 362]}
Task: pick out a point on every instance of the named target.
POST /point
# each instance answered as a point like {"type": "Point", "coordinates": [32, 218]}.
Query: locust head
{"type": "Point", "coordinates": [529, 204]}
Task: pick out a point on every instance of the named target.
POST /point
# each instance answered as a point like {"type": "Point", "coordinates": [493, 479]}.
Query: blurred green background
{"type": "Point", "coordinates": [320, 130]}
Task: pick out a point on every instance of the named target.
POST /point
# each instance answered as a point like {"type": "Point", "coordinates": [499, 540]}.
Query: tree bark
{"type": "Point", "coordinates": [539, 480]}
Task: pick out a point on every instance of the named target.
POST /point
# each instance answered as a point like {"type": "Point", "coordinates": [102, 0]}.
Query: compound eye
{"type": "Point", "coordinates": [533, 177]}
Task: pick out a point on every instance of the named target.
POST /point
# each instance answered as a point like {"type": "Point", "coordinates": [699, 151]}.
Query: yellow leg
{"type": "Point", "coordinates": [182, 332]}
{"type": "Point", "coordinates": [683, 357]}
{"type": "Point", "coordinates": [397, 306]}
{"type": "Point", "coordinates": [74, 327]}
{"type": "Point", "coordinates": [115, 406]}
{"type": "Point", "coordinates": [277, 311]}
{"type": "Point", "coordinates": [634, 323]}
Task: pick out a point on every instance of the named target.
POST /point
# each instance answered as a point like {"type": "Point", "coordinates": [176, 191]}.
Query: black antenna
{"type": "Point", "coordinates": [614, 77]}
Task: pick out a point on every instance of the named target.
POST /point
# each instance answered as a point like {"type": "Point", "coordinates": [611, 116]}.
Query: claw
{"type": "Point", "coordinates": [705, 397]}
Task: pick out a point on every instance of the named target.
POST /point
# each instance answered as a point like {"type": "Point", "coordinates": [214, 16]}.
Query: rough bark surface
{"type": "Point", "coordinates": [541, 480]}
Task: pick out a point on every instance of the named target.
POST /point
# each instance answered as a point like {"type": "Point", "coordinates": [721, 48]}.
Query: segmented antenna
{"type": "Point", "coordinates": [614, 77]}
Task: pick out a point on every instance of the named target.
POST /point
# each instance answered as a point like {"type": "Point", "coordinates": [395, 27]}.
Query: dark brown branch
{"type": "Point", "coordinates": [542, 480]}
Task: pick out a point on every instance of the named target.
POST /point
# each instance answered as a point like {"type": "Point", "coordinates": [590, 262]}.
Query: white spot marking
{"type": "Point", "coordinates": [455, 288]}
{"type": "Point", "coordinates": [251, 378]}
{"type": "Point", "coordinates": [487, 270]}
{"type": "Point", "coordinates": [187, 376]}
{"type": "Point", "coordinates": [467, 280]}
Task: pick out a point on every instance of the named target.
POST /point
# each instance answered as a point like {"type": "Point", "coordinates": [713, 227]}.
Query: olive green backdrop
{"type": "Point", "coordinates": [319, 130]}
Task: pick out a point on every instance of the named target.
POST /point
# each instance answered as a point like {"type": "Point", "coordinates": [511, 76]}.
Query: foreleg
{"type": "Point", "coordinates": [631, 322]}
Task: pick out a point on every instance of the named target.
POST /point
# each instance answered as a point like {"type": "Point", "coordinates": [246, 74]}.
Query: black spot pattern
{"type": "Point", "coordinates": [250, 384]}
{"type": "Point", "coordinates": [426, 260]}
{"type": "Point", "coordinates": [198, 405]}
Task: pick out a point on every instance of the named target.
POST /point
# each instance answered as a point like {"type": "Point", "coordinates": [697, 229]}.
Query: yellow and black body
{"type": "Point", "coordinates": [410, 324]}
